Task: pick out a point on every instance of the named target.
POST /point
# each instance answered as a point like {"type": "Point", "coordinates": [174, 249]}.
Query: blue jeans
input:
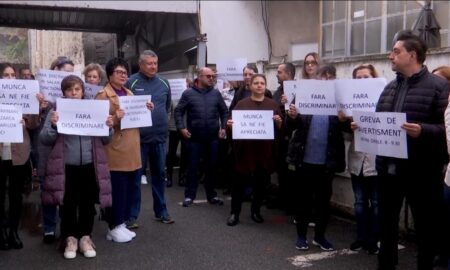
{"type": "Point", "coordinates": [155, 153]}
{"type": "Point", "coordinates": [49, 213]}
{"type": "Point", "coordinates": [365, 190]}
{"type": "Point", "coordinates": [206, 151]}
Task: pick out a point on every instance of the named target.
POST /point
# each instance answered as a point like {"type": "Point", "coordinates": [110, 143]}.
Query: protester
{"type": "Point", "coordinates": [204, 108]}
{"type": "Point", "coordinates": [254, 159]}
{"type": "Point", "coordinates": [310, 65]}
{"type": "Point", "coordinates": [316, 151]}
{"type": "Point", "coordinates": [423, 97]}
{"type": "Point", "coordinates": [94, 73]}
{"type": "Point", "coordinates": [49, 212]}
{"type": "Point", "coordinates": [77, 176]}
{"type": "Point", "coordinates": [15, 169]}
{"type": "Point", "coordinates": [443, 258]}
{"type": "Point", "coordinates": [123, 152]}
{"type": "Point", "coordinates": [153, 139]}
{"type": "Point", "coordinates": [25, 74]}
{"type": "Point", "coordinates": [285, 72]}
{"type": "Point", "coordinates": [364, 182]}
{"type": "Point", "coordinates": [62, 63]}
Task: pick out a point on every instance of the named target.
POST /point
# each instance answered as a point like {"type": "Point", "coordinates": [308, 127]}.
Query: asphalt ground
{"type": "Point", "coordinates": [199, 239]}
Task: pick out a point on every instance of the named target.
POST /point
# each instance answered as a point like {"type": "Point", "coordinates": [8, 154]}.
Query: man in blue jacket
{"type": "Point", "coordinates": [154, 138]}
{"type": "Point", "coordinates": [206, 118]}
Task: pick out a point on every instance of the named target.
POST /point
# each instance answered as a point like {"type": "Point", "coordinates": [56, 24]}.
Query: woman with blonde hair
{"type": "Point", "coordinates": [94, 74]}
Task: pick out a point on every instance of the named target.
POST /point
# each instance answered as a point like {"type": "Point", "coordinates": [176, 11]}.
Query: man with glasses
{"type": "Point", "coordinates": [206, 119]}
{"type": "Point", "coordinates": [154, 138]}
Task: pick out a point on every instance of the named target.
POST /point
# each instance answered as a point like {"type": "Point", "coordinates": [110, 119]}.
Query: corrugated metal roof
{"type": "Point", "coordinates": [75, 19]}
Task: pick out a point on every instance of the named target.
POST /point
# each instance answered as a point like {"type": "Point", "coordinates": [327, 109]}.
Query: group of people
{"type": "Point", "coordinates": [306, 152]}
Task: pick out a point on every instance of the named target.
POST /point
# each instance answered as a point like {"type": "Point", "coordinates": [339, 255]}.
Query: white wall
{"type": "Point", "coordinates": [156, 6]}
{"type": "Point", "coordinates": [234, 29]}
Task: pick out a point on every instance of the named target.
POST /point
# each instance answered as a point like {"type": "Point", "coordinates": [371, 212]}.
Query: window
{"type": "Point", "coordinates": [351, 28]}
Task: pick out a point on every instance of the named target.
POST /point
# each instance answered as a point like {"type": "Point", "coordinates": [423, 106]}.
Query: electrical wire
{"type": "Point", "coordinates": [265, 18]}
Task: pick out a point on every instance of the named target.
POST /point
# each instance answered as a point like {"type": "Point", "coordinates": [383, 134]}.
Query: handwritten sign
{"type": "Point", "coordinates": [177, 86]}
{"type": "Point", "coordinates": [231, 69]}
{"type": "Point", "coordinates": [82, 117]}
{"type": "Point", "coordinates": [50, 83]}
{"type": "Point", "coordinates": [136, 112]}
{"type": "Point", "coordinates": [11, 129]}
{"type": "Point", "coordinates": [20, 93]}
{"type": "Point", "coordinates": [253, 125]}
{"type": "Point", "coordinates": [90, 90]}
{"type": "Point", "coordinates": [361, 95]}
{"type": "Point", "coordinates": [380, 133]}
{"type": "Point", "coordinates": [315, 97]}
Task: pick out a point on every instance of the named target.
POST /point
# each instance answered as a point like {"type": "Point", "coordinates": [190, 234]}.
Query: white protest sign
{"type": "Point", "coordinates": [177, 86]}
{"type": "Point", "coordinates": [315, 97]}
{"type": "Point", "coordinates": [82, 117]}
{"type": "Point", "coordinates": [90, 90]}
{"type": "Point", "coordinates": [289, 88]}
{"type": "Point", "coordinates": [20, 93]}
{"type": "Point", "coordinates": [136, 112]}
{"type": "Point", "coordinates": [231, 69]}
{"type": "Point", "coordinates": [252, 125]}
{"type": "Point", "coordinates": [362, 94]}
{"type": "Point", "coordinates": [380, 133]}
{"type": "Point", "coordinates": [50, 82]}
{"type": "Point", "coordinates": [11, 129]}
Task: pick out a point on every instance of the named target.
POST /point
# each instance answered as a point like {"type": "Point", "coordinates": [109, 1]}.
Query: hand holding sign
{"type": "Point", "coordinates": [413, 130]}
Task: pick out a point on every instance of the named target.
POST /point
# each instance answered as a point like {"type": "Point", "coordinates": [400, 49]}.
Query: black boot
{"type": "Point", "coordinates": [233, 220]}
{"type": "Point", "coordinates": [4, 239]}
{"type": "Point", "coordinates": [169, 182]}
{"type": "Point", "coordinates": [14, 240]}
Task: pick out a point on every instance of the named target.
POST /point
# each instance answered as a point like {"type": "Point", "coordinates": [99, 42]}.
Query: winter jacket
{"type": "Point", "coordinates": [335, 160]}
{"type": "Point", "coordinates": [204, 109]}
{"type": "Point", "coordinates": [54, 183]}
{"type": "Point", "coordinates": [424, 102]}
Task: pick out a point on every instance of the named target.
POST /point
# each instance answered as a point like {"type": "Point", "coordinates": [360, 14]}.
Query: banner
{"type": "Point", "coordinates": [381, 133]}
{"type": "Point", "coordinates": [315, 97]}
{"type": "Point", "coordinates": [362, 94]}
{"type": "Point", "coordinates": [50, 82]}
{"type": "Point", "coordinates": [231, 69]}
{"type": "Point", "coordinates": [136, 112]}
{"type": "Point", "coordinates": [11, 128]}
{"type": "Point", "coordinates": [252, 125]}
{"type": "Point", "coordinates": [90, 90]}
{"type": "Point", "coordinates": [82, 117]}
{"type": "Point", "coordinates": [20, 93]}
{"type": "Point", "coordinates": [177, 86]}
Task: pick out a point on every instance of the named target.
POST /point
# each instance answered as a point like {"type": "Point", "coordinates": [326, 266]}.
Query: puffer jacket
{"type": "Point", "coordinates": [336, 149]}
{"type": "Point", "coordinates": [54, 183]}
{"type": "Point", "coordinates": [204, 109]}
{"type": "Point", "coordinates": [424, 103]}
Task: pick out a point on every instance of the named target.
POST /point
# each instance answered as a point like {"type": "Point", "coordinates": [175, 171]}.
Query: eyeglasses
{"type": "Point", "coordinates": [121, 72]}
{"type": "Point", "coordinates": [209, 76]}
{"type": "Point", "coordinates": [310, 63]}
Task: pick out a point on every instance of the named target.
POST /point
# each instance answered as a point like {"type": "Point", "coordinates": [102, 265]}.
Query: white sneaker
{"type": "Point", "coordinates": [144, 180]}
{"type": "Point", "coordinates": [118, 235]}
{"type": "Point", "coordinates": [87, 247]}
{"type": "Point", "coordinates": [124, 228]}
{"type": "Point", "coordinates": [70, 252]}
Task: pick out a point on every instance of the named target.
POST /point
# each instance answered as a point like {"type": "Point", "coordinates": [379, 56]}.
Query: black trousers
{"type": "Point", "coordinates": [16, 177]}
{"type": "Point", "coordinates": [78, 209]}
{"type": "Point", "coordinates": [314, 188]}
{"type": "Point", "coordinates": [258, 181]}
{"type": "Point", "coordinates": [423, 191]}
{"type": "Point", "coordinates": [174, 139]}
